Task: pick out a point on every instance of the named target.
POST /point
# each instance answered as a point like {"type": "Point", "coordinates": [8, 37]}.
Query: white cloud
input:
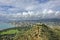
{"type": "Point", "coordinates": [50, 14]}
{"type": "Point", "coordinates": [50, 11]}
{"type": "Point", "coordinates": [33, 8]}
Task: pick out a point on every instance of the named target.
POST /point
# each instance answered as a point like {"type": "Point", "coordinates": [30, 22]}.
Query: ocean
{"type": "Point", "coordinates": [5, 26]}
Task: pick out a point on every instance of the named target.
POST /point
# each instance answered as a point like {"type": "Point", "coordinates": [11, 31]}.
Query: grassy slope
{"type": "Point", "coordinates": [14, 30]}
{"type": "Point", "coordinates": [36, 32]}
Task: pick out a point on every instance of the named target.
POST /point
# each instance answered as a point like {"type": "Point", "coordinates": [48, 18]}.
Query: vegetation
{"type": "Point", "coordinates": [31, 32]}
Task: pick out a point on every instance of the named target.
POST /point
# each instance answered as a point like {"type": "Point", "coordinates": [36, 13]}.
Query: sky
{"type": "Point", "coordinates": [29, 9]}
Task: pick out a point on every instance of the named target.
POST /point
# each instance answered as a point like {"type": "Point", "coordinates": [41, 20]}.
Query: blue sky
{"type": "Point", "coordinates": [29, 9]}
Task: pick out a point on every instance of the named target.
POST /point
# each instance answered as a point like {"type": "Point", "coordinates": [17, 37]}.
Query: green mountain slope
{"type": "Point", "coordinates": [38, 32]}
{"type": "Point", "coordinates": [34, 32]}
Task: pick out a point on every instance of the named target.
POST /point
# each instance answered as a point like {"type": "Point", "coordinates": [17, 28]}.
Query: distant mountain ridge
{"type": "Point", "coordinates": [37, 20]}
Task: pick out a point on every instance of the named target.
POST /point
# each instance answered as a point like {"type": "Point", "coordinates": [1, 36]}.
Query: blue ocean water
{"type": "Point", "coordinates": [5, 26]}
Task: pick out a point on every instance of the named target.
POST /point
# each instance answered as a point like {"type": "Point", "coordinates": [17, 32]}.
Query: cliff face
{"type": "Point", "coordinates": [38, 32]}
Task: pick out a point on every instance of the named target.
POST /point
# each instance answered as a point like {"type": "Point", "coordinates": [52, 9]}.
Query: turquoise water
{"type": "Point", "coordinates": [5, 26]}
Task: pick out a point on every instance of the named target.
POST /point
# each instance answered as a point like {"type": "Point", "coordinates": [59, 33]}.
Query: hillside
{"type": "Point", "coordinates": [36, 32]}
{"type": "Point", "coordinates": [6, 34]}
